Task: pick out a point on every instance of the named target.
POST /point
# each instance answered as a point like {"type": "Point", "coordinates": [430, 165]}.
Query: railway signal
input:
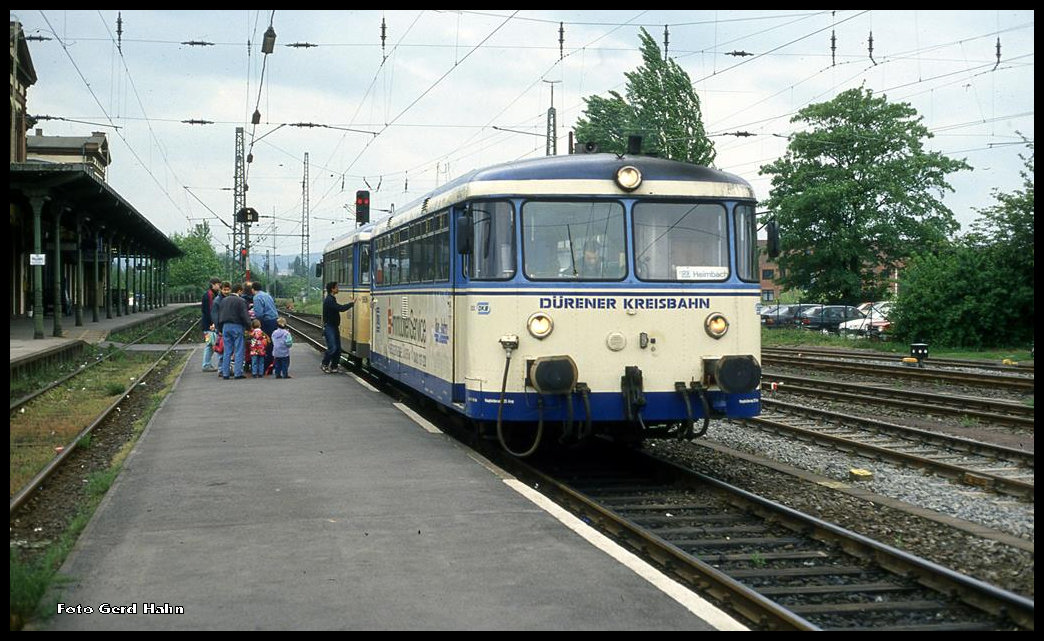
{"type": "Point", "coordinates": [362, 207]}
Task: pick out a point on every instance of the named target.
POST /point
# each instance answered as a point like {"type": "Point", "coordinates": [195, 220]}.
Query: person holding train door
{"type": "Point", "coordinates": [332, 327]}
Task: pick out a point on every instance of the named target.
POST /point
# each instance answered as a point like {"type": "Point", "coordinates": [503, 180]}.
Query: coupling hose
{"type": "Point", "coordinates": [500, 422]}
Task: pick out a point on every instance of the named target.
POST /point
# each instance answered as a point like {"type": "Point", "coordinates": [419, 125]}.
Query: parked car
{"type": "Point", "coordinates": [874, 323]}
{"type": "Point", "coordinates": [782, 316]}
{"type": "Point", "coordinates": [826, 318]}
{"type": "Point", "coordinates": [883, 305]}
{"type": "Point", "coordinates": [776, 316]}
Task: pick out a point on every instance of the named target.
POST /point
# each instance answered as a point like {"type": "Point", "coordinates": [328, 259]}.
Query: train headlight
{"type": "Point", "coordinates": [716, 325]}
{"type": "Point", "coordinates": [540, 325]}
{"type": "Point", "coordinates": [628, 177]}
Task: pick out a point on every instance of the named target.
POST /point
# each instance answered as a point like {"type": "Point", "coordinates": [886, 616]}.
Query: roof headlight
{"type": "Point", "coordinates": [716, 325]}
{"type": "Point", "coordinates": [628, 177]}
{"type": "Point", "coordinates": [540, 325]}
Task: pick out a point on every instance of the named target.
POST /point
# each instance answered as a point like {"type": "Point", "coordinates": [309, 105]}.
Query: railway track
{"type": "Point", "coordinates": [1020, 367]}
{"type": "Point", "coordinates": [1002, 469]}
{"type": "Point", "coordinates": [19, 498]}
{"type": "Point", "coordinates": [774, 566]}
{"type": "Point", "coordinates": [991, 411]}
{"type": "Point", "coordinates": [1021, 384]}
{"type": "Point", "coordinates": [21, 402]}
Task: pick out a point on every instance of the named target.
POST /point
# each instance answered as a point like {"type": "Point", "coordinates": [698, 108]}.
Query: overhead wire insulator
{"type": "Point", "coordinates": [833, 42]}
{"type": "Point", "coordinates": [384, 34]}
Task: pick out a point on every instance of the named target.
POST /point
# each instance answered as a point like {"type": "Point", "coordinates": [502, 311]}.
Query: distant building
{"type": "Point", "coordinates": [91, 151]}
{"type": "Point", "coordinates": [23, 76]}
{"type": "Point", "coordinates": [769, 273]}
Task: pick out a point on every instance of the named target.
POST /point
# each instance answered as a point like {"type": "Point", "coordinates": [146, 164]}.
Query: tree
{"type": "Point", "coordinates": [198, 264]}
{"type": "Point", "coordinates": [661, 106]}
{"type": "Point", "coordinates": [299, 267]}
{"type": "Point", "coordinates": [978, 293]}
{"type": "Point", "coordinates": [1007, 228]}
{"type": "Point", "coordinates": [857, 194]}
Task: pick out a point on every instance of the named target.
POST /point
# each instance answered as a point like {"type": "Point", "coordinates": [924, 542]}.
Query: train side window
{"type": "Point", "coordinates": [493, 254]}
{"type": "Point", "coordinates": [442, 247]}
{"type": "Point", "coordinates": [364, 264]}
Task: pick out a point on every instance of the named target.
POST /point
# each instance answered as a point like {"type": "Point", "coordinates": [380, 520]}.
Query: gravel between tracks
{"type": "Point", "coordinates": [991, 561]}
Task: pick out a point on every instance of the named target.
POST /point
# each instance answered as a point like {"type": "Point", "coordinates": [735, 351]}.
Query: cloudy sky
{"type": "Point", "coordinates": [445, 92]}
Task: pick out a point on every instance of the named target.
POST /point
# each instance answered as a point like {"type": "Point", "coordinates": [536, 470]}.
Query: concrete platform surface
{"type": "Point", "coordinates": [314, 503]}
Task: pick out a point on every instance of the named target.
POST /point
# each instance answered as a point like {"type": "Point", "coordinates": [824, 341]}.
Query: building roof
{"type": "Point", "coordinates": [87, 194]}
{"type": "Point", "coordinates": [70, 145]}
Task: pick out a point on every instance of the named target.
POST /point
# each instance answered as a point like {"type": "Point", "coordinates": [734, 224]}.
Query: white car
{"type": "Point", "coordinates": [874, 323]}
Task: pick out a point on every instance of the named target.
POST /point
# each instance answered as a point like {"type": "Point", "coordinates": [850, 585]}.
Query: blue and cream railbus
{"type": "Point", "coordinates": [569, 296]}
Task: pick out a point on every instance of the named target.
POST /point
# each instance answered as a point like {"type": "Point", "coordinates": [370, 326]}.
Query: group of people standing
{"type": "Point", "coordinates": [242, 317]}
{"type": "Point", "coordinates": [232, 315]}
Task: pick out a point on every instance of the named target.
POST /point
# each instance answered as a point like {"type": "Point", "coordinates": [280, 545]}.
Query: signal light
{"type": "Point", "coordinates": [362, 206]}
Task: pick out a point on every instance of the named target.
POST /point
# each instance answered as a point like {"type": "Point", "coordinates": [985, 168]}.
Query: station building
{"type": "Point", "coordinates": [79, 251]}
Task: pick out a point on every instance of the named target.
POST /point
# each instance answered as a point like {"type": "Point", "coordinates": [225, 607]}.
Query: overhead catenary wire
{"type": "Point", "coordinates": [461, 156]}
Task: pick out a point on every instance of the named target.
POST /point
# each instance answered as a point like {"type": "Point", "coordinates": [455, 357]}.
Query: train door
{"type": "Point", "coordinates": [362, 312]}
{"type": "Point", "coordinates": [353, 285]}
{"type": "Point", "coordinates": [343, 276]}
{"type": "Point", "coordinates": [484, 268]}
{"type": "Point", "coordinates": [461, 236]}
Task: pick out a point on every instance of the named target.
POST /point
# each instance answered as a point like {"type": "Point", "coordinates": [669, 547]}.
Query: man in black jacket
{"type": "Point", "coordinates": [234, 319]}
{"type": "Point", "coordinates": [332, 327]}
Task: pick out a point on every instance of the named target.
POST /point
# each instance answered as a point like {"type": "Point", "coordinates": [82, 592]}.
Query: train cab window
{"type": "Point", "coordinates": [573, 240]}
{"type": "Point", "coordinates": [493, 255]}
{"type": "Point", "coordinates": [747, 243]}
{"type": "Point", "coordinates": [680, 241]}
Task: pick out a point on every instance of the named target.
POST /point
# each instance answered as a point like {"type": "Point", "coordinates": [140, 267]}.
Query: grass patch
{"type": "Point", "coordinates": [53, 420]}
{"type": "Point", "coordinates": [29, 582]}
{"type": "Point", "coordinates": [27, 380]}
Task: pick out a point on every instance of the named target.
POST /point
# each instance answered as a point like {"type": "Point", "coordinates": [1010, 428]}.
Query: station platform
{"type": "Point", "coordinates": [318, 503]}
{"type": "Point", "coordinates": [25, 348]}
